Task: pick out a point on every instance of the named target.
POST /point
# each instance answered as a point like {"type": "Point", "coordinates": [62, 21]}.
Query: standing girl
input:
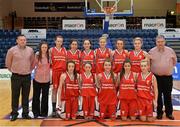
{"type": "Point", "coordinates": [41, 81]}
{"type": "Point", "coordinates": [69, 90]}
{"type": "Point", "coordinates": [147, 92]}
{"type": "Point", "coordinates": [87, 55]}
{"type": "Point", "coordinates": [119, 56]}
{"type": "Point", "coordinates": [74, 54]}
{"type": "Point", "coordinates": [137, 55]}
{"type": "Point", "coordinates": [58, 58]}
{"type": "Point", "coordinates": [102, 54]}
{"type": "Point", "coordinates": [127, 92]}
{"type": "Point", "coordinates": [88, 91]}
{"type": "Point", "coordinates": [107, 91]}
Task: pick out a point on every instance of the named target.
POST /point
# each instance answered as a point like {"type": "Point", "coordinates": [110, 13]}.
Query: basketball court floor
{"type": "Point", "coordinates": [5, 109]}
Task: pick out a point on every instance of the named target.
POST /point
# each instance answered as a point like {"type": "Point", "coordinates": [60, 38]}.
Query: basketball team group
{"type": "Point", "coordinates": [133, 80]}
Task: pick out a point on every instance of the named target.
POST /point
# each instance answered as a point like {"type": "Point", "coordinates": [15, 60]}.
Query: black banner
{"type": "Point", "coordinates": [59, 6]}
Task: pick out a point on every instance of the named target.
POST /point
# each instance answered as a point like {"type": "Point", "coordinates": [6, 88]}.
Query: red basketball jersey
{"type": "Point", "coordinates": [136, 59]}
{"type": "Point", "coordinates": [58, 58]}
{"type": "Point", "coordinates": [74, 57]}
{"type": "Point", "coordinates": [144, 86]}
{"type": "Point", "coordinates": [88, 57]}
{"type": "Point", "coordinates": [107, 94]}
{"type": "Point", "coordinates": [101, 56]}
{"type": "Point", "coordinates": [118, 59]}
{"type": "Point", "coordinates": [127, 89]}
{"type": "Point", "coordinates": [71, 87]}
{"type": "Point", "coordinates": [88, 85]}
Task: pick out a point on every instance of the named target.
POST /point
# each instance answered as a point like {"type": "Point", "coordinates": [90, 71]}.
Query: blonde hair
{"type": "Point", "coordinates": [105, 38]}
{"type": "Point", "coordinates": [145, 61]}
{"type": "Point", "coordinates": [138, 39]}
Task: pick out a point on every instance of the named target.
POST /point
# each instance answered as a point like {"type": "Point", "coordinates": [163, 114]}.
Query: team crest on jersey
{"type": "Point", "coordinates": [124, 55]}
{"type": "Point", "coordinates": [132, 79]}
{"type": "Point", "coordinates": [91, 56]}
{"type": "Point", "coordinates": [147, 82]}
{"type": "Point", "coordinates": [91, 80]}
{"type": "Point", "coordinates": [140, 56]}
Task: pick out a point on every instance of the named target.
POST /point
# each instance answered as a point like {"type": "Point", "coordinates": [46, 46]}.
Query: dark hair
{"type": "Point", "coordinates": [127, 60]}
{"type": "Point", "coordinates": [86, 39]}
{"type": "Point", "coordinates": [73, 40]}
{"type": "Point", "coordinates": [40, 51]}
{"type": "Point", "coordinates": [75, 73]}
{"type": "Point", "coordinates": [121, 39]}
{"type": "Point", "coordinates": [58, 36]}
{"type": "Point", "coordinates": [112, 73]}
{"type": "Point", "coordinates": [88, 63]}
{"type": "Point", "coordinates": [21, 35]}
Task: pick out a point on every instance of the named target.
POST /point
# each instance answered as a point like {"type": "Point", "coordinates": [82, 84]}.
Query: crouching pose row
{"type": "Point", "coordinates": [137, 92]}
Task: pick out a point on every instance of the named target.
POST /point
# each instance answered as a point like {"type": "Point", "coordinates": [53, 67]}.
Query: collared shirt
{"type": "Point", "coordinates": [20, 60]}
{"type": "Point", "coordinates": [162, 61]}
{"type": "Point", "coordinates": [42, 69]}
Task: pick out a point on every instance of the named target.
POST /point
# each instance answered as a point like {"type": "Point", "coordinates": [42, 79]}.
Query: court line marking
{"type": "Point", "coordinates": [116, 120]}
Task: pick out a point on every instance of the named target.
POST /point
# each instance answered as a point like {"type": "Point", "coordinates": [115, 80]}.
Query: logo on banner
{"type": "Point", "coordinates": [74, 24]}
{"type": "Point", "coordinates": [153, 23]}
{"type": "Point", "coordinates": [170, 33]}
{"type": "Point", "coordinates": [34, 33]}
{"type": "Point", "coordinates": [117, 24]}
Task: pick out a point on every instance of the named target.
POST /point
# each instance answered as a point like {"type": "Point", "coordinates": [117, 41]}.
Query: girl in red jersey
{"type": "Point", "coordinates": [147, 92]}
{"type": "Point", "coordinates": [119, 55]}
{"type": "Point", "coordinates": [127, 92]}
{"type": "Point", "coordinates": [102, 54]}
{"type": "Point", "coordinates": [137, 55]}
{"type": "Point", "coordinates": [74, 54]}
{"type": "Point", "coordinates": [107, 97]}
{"type": "Point", "coordinates": [58, 59]}
{"type": "Point", "coordinates": [69, 90]}
{"type": "Point", "coordinates": [88, 91]}
{"type": "Point", "coordinates": [87, 55]}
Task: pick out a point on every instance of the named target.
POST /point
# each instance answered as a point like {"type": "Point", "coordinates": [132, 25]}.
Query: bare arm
{"type": "Point", "coordinates": [118, 80]}
{"type": "Point", "coordinates": [98, 77]}
{"type": "Point", "coordinates": [50, 54]}
{"type": "Point", "coordinates": [61, 83]}
{"type": "Point", "coordinates": [80, 81]}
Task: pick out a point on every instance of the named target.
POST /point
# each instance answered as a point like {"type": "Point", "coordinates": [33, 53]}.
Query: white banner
{"type": "Point", "coordinates": [170, 33]}
{"type": "Point", "coordinates": [77, 24]}
{"type": "Point", "coordinates": [153, 23]}
{"type": "Point", "coordinates": [34, 33]}
{"type": "Point", "coordinates": [5, 74]}
{"type": "Point", "coordinates": [116, 24]}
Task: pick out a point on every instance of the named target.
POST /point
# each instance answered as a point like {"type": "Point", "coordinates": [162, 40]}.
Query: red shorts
{"type": "Point", "coordinates": [145, 107]}
{"type": "Point", "coordinates": [128, 107]}
{"type": "Point", "coordinates": [55, 78]}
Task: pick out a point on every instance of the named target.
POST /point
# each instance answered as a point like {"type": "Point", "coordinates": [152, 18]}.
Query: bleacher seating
{"type": "Point", "coordinates": [8, 38]}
